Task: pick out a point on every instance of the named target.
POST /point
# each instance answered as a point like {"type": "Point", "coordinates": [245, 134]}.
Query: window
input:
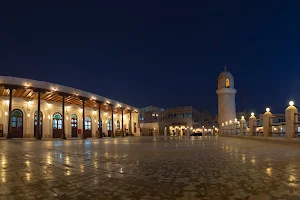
{"type": "Point", "coordinates": [118, 124]}
{"type": "Point", "coordinates": [109, 125]}
{"type": "Point", "coordinates": [74, 121]}
{"type": "Point", "coordinates": [88, 123]}
{"type": "Point", "coordinates": [36, 117]}
{"type": "Point", "coordinates": [227, 84]}
{"type": "Point", "coordinates": [57, 121]}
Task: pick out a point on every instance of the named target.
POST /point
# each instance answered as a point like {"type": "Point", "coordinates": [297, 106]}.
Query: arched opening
{"type": "Point", "coordinates": [57, 125]}
{"type": "Point", "coordinates": [88, 127]}
{"type": "Point", "coordinates": [36, 123]}
{"type": "Point", "coordinates": [227, 84]}
{"type": "Point", "coordinates": [74, 125]}
{"type": "Point", "coordinates": [109, 128]}
{"type": "Point", "coordinates": [17, 123]}
{"type": "Point", "coordinates": [118, 125]}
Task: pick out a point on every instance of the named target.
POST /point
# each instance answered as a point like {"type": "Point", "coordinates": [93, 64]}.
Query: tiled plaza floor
{"type": "Point", "coordinates": [149, 168]}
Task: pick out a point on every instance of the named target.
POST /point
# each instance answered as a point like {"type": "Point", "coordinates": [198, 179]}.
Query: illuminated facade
{"type": "Point", "coordinates": [63, 112]}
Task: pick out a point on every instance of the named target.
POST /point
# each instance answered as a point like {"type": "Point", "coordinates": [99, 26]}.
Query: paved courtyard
{"type": "Point", "coordinates": [149, 168]}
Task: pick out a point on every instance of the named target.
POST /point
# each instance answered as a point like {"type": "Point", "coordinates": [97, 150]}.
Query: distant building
{"type": "Point", "coordinates": [149, 120]}
{"type": "Point", "coordinates": [180, 121]}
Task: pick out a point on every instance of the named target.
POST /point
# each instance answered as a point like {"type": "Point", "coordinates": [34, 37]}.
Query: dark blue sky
{"type": "Point", "coordinates": [164, 53]}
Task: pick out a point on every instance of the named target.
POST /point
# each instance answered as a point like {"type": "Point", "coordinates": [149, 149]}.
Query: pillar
{"type": "Point", "coordinates": [291, 118]}
{"type": "Point", "coordinates": [83, 120]}
{"type": "Point", "coordinates": [112, 121]}
{"type": "Point", "coordinates": [165, 132]}
{"type": "Point", "coordinates": [122, 121]}
{"type": "Point", "coordinates": [99, 120]}
{"type": "Point", "coordinates": [9, 134]}
{"type": "Point", "coordinates": [130, 124]}
{"type": "Point", "coordinates": [267, 123]}
{"type": "Point", "coordinates": [63, 118]}
{"type": "Point", "coordinates": [243, 126]}
{"type": "Point", "coordinates": [39, 117]}
{"type": "Point", "coordinates": [187, 132]}
{"type": "Point", "coordinates": [252, 125]}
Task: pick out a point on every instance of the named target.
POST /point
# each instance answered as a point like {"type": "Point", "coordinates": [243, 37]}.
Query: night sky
{"type": "Point", "coordinates": [161, 53]}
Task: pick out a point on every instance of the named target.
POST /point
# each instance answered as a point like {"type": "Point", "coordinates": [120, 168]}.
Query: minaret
{"type": "Point", "coordinates": [226, 97]}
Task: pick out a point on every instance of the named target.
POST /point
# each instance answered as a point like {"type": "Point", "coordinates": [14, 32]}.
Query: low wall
{"type": "Point", "coordinates": [274, 139]}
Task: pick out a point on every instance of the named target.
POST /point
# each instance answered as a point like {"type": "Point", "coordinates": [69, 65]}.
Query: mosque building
{"type": "Point", "coordinates": [37, 109]}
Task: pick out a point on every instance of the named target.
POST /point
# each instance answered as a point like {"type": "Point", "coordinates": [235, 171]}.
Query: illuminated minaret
{"type": "Point", "coordinates": [226, 97]}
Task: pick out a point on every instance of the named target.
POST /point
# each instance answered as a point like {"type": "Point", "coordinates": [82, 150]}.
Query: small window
{"type": "Point", "coordinates": [227, 83]}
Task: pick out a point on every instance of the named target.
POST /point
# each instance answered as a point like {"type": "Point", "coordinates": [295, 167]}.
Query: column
{"type": "Point", "coordinates": [83, 120]}
{"type": "Point", "coordinates": [99, 120]}
{"type": "Point", "coordinates": [63, 118]}
{"type": "Point", "coordinates": [122, 121]}
{"type": "Point", "coordinates": [267, 123]}
{"type": "Point", "coordinates": [112, 121]}
{"type": "Point", "coordinates": [39, 117]}
{"type": "Point", "coordinates": [243, 126]}
{"type": "Point", "coordinates": [291, 118]}
{"type": "Point", "coordinates": [252, 125]}
{"type": "Point", "coordinates": [130, 124]}
{"type": "Point", "coordinates": [9, 134]}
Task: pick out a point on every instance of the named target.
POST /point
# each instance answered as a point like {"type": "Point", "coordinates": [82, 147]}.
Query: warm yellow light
{"type": "Point", "coordinates": [230, 121]}
{"type": "Point", "coordinates": [222, 124]}
{"type": "Point", "coordinates": [28, 115]}
{"type": "Point", "coordinates": [291, 103]}
{"type": "Point", "coordinates": [268, 109]}
{"type": "Point", "coordinates": [226, 123]}
{"type": "Point", "coordinates": [252, 114]}
{"type": "Point", "coordinates": [6, 113]}
{"type": "Point", "coordinates": [235, 119]}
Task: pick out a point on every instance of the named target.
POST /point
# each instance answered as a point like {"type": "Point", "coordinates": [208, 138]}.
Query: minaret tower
{"type": "Point", "coordinates": [226, 97]}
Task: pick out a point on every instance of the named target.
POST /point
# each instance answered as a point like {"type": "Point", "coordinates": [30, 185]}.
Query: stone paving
{"type": "Point", "coordinates": [149, 168]}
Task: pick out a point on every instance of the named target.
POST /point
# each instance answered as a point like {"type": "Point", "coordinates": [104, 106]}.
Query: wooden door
{"type": "Point", "coordinates": [35, 123]}
{"type": "Point", "coordinates": [57, 125]}
{"type": "Point", "coordinates": [74, 125]}
{"type": "Point", "coordinates": [17, 123]}
{"type": "Point", "coordinates": [88, 127]}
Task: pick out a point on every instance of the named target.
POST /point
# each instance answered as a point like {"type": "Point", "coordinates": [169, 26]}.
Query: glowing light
{"type": "Point", "coordinates": [6, 113]}
{"type": "Point", "coordinates": [268, 109]}
{"type": "Point", "coordinates": [54, 89]}
{"type": "Point", "coordinates": [230, 121]}
{"type": "Point", "coordinates": [93, 98]}
{"type": "Point", "coordinates": [28, 115]}
{"type": "Point", "coordinates": [222, 124]}
{"type": "Point", "coordinates": [291, 103]}
{"type": "Point", "coordinates": [243, 117]}
{"type": "Point", "coordinates": [235, 119]}
{"type": "Point", "coordinates": [252, 114]}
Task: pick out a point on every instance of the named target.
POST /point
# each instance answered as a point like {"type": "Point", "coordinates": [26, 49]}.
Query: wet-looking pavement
{"type": "Point", "coordinates": [149, 168]}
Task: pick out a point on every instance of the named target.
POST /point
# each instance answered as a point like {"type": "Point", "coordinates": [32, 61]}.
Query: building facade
{"type": "Point", "coordinates": [181, 121]}
{"type": "Point", "coordinates": [149, 119]}
{"type": "Point", "coordinates": [64, 112]}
